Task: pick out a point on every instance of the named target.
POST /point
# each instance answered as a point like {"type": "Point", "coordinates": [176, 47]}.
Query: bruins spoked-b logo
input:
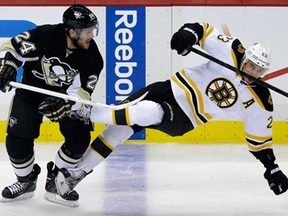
{"type": "Point", "coordinates": [222, 92]}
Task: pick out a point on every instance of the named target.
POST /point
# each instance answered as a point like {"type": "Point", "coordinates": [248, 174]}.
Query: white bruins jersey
{"type": "Point", "coordinates": [211, 90]}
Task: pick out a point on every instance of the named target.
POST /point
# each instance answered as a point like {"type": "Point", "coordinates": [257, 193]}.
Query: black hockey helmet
{"type": "Point", "coordinates": [78, 16]}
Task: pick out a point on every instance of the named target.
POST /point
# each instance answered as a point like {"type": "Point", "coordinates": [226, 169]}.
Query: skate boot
{"type": "Point", "coordinates": [22, 189]}
{"type": "Point", "coordinates": [69, 199]}
{"type": "Point", "coordinates": [67, 180]}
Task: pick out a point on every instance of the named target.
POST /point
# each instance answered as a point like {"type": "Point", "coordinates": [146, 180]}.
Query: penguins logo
{"type": "Point", "coordinates": [222, 92]}
{"type": "Point", "coordinates": [55, 72]}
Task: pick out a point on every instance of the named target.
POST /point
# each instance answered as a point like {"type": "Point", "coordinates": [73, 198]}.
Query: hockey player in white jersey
{"type": "Point", "coordinates": [192, 97]}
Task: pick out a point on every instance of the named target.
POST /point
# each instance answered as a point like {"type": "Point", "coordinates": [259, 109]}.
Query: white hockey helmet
{"type": "Point", "coordinates": [258, 55]}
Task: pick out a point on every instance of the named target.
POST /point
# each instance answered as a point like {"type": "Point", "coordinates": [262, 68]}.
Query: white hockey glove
{"type": "Point", "coordinates": [81, 111]}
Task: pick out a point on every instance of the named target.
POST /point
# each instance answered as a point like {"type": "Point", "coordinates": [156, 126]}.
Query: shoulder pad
{"type": "Point", "coordinates": [238, 50]}
{"type": "Point", "coordinates": [264, 96]}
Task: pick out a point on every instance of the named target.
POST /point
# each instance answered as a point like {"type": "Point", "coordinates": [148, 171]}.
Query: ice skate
{"type": "Point", "coordinates": [68, 199]}
{"type": "Point", "coordinates": [66, 180]}
{"type": "Point", "coordinates": [22, 189]}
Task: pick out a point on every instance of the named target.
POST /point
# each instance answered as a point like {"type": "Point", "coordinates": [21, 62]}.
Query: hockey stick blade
{"type": "Point", "coordinates": [76, 99]}
{"type": "Point", "coordinates": [226, 30]}
{"type": "Point", "coordinates": [236, 70]}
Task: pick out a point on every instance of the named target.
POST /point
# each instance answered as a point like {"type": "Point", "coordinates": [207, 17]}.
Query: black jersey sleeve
{"type": "Point", "coordinates": [263, 95]}
{"type": "Point", "coordinates": [91, 68]}
{"type": "Point", "coordinates": [33, 43]}
{"type": "Point", "coordinates": [25, 44]}
{"type": "Point", "coordinates": [238, 50]}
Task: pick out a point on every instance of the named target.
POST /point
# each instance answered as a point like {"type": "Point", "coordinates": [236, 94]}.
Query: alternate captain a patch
{"type": "Point", "coordinates": [222, 92]}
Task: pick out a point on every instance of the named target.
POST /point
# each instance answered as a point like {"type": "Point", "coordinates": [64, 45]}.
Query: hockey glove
{"type": "Point", "coordinates": [277, 181]}
{"type": "Point", "coordinates": [8, 72]}
{"type": "Point", "coordinates": [183, 39]}
{"type": "Point", "coordinates": [55, 108]}
{"type": "Point", "coordinates": [82, 111]}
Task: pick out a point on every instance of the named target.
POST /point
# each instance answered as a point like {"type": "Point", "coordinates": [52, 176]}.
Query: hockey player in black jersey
{"type": "Point", "coordinates": [191, 98]}
{"type": "Point", "coordinates": [54, 57]}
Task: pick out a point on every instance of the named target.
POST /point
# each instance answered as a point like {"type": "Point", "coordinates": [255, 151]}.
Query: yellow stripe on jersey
{"type": "Point", "coordinates": [114, 117]}
{"type": "Point", "coordinates": [127, 116]}
{"type": "Point", "coordinates": [199, 95]}
{"type": "Point", "coordinates": [260, 139]}
{"type": "Point", "coordinates": [188, 98]}
{"type": "Point", "coordinates": [105, 142]}
{"type": "Point", "coordinates": [256, 143]}
{"type": "Point", "coordinates": [260, 147]}
{"type": "Point", "coordinates": [197, 115]}
{"type": "Point", "coordinates": [256, 97]}
{"type": "Point", "coordinates": [207, 31]}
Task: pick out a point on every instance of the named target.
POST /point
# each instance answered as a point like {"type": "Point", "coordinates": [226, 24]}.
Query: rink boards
{"type": "Point", "coordinates": [212, 132]}
{"type": "Point", "coordinates": [153, 60]}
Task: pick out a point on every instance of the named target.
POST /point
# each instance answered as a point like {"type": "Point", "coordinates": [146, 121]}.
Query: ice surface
{"type": "Point", "coordinates": [161, 180]}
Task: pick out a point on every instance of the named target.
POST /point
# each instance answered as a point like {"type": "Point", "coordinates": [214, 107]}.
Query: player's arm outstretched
{"type": "Point", "coordinates": [188, 35]}
{"type": "Point", "coordinates": [277, 180]}
{"type": "Point", "coordinates": [258, 128]}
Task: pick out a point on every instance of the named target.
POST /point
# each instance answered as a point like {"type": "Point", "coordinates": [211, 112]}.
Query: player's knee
{"type": "Point", "coordinates": [146, 113]}
{"type": "Point", "coordinates": [113, 135]}
{"type": "Point", "coordinates": [19, 149]}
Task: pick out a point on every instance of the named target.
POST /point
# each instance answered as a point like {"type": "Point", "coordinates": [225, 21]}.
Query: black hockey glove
{"type": "Point", "coordinates": [277, 181]}
{"type": "Point", "coordinates": [183, 39]}
{"type": "Point", "coordinates": [55, 108]}
{"type": "Point", "coordinates": [8, 72]}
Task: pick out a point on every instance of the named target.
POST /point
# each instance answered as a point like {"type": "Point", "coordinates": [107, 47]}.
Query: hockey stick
{"type": "Point", "coordinates": [230, 67]}
{"type": "Point", "coordinates": [268, 76]}
{"type": "Point", "coordinates": [76, 99]}
{"type": "Point", "coordinates": [225, 29]}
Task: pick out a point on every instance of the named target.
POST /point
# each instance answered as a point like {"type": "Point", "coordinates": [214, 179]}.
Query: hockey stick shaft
{"type": "Point", "coordinates": [73, 98]}
{"type": "Point", "coordinates": [225, 29]}
{"type": "Point", "coordinates": [230, 67]}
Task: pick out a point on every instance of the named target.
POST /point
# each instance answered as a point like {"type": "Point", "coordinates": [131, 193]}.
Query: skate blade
{"type": "Point", "coordinates": [21, 197]}
{"type": "Point", "coordinates": [55, 198]}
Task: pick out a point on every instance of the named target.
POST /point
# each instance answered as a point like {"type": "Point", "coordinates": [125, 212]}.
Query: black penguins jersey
{"type": "Point", "coordinates": [48, 64]}
{"type": "Point", "coordinates": [212, 90]}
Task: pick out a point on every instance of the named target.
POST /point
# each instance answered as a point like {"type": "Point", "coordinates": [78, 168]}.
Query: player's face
{"type": "Point", "coordinates": [253, 70]}
{"type": "Point", "coordinates": [85, 37]}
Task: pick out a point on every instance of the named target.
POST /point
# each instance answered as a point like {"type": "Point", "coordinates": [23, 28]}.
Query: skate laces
{"type": "Point", "coordinates": [77, 174]}
{"type": "Point", "coordinates": [17, 187]}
